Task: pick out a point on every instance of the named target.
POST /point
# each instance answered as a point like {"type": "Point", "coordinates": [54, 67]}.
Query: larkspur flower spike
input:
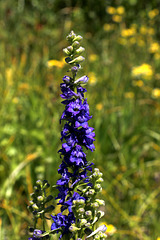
{"type": "Point", "coordinates": [77, 186]}
{"type": "Point", "coordinates": [79, 183]}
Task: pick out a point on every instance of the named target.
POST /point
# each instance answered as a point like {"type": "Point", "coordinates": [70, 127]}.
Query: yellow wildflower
{"type": "Point", "coordinates": [151, 31]}
{"type": "Point", "coordinates": [117, 18]}
{"type": "Point", "coordinates": [132, 40]}
{"type": "Point", "coordinates": [157, 56]}
{"type": "Point", "coordinates": [111, 10]}
{"type": "Point", "coordinates": [93, 57]}
{"type": "Point", "coordinates": [92, 78]}
{"type": "Point", "coordinates": [15, 100]}
{"type": "Point", "coordinates": [138, 83]}
{"type": "Point", "coordinates": [120, 10]}
{"type": "Point", "coordinates": [122, 41]}
{"type": "Point", "coordinates": [145, 70]}
{"type": "Point", "coordinates": [55, 63]}
{"type": "Point", "coordinates": [156, 93]}
{"type": "Point", "coordinates": [154, 47]}
{"type": "Point", "coordinates": [129, 95]}
{"type": "Point", "coordinates": [9, 76]}
{"type": "Point", "coordinates": [143, 30]}
{"type": "Point", "coordinates": [158, 238]}
{"type": "Point", "coordinates": [108, 27]}
{"type": "Point", "coordinates": [99, 106]}
{"type": "Point", "coordinates": [128, 32]}
{"type": "Point", "coordinates": [153, 13]}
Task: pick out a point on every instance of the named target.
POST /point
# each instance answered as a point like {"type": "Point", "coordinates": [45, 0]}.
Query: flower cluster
{"type": "Point", "coordinates": [79, 184]}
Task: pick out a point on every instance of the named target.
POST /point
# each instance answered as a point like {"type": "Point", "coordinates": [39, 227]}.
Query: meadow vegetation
{"type": "Point", "coordinates": [123, 64]}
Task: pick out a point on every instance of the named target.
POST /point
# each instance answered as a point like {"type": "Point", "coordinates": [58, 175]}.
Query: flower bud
{"type": "Point", "coordinates": [77, 60]}
{"type": "Point", "coordinates": [73, 228]}
{"type": "Point", "coordinates": [78, 38]}
{"type": "Point", "coordinates": [71, 36]}
{"type": "Point", "coordinates": [82, 222]}
{"type": "Point", "coordinates": [76, 44]}
{"type": "Point", "coordinates": [95, 205]}
{"type": "Point", "coordinates": [39, 182]}
{"type": "Point", "coordinates": [98, 187]}
{"type": "Point", "coordinates": [40, 198]}
{"type": "Point", "coordinates": [35, 207]}
{"type": "Point", "coordinates": [88, 213]}
{"type": "Point", "coordinates": [91, 192]}
{"type": "Point", "coordinates": [100, 202]}
{"type": "Point", "coordinates": [99, 180]}
{"type": "Point", "coordinates": [65, 50]}
{"type": "Point", "coordinates": [81, 210]}
{"type": "Point", "coordinates": [82, 80]}
{"type": "Point", "coordinates": [80, 50]}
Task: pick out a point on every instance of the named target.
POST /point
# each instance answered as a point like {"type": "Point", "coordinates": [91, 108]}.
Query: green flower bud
{"type": "Point", "coordinates": [73, 228]}
{"type": "Point", "coordinates": [65, 50]}
{"type": "Point", "coordinates": [40, 198]}
{"type": "Point", "coordinates": [99, 180]}
{"type": "Point", "coordinates": [81, 210]}
{"type": "Point", "coordinates": [95, 205]}
{"type": "Point", "coordinates": [80, 50]}
{"type": "Point", "coordinates": [77, 60]}
{"type": "Point", "coordinates": [78, 38]}
{"type": "Point", "coordinates": [39, 182]}
{"type": "Point", "coordinates": [98, 187]}
{"type": "Point", "coordinates": [100, 202]}
{"type": "Point", "coordinates": [35, 207]}
{"type": "Point", "coordinates": [82, 222]}
{"type": "Point", "coordinates": [71, 36]}
{"type": "Point", "coordinates": [97, 237]}
{"type": "Point", "coordinates": [88, 213]}
{"type": "Point", "coordinates": [76, 45]}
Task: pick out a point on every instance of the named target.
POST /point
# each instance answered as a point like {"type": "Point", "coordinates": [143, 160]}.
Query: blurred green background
{"type": "Point", "coordinates": [121, 38]}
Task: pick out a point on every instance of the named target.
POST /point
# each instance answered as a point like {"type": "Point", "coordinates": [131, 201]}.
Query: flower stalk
{"type": "Point", "coordinates": [79, 182]}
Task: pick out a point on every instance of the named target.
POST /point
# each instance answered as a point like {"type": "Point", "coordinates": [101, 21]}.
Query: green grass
{"type": "Point", "coordinates": [127, 129]}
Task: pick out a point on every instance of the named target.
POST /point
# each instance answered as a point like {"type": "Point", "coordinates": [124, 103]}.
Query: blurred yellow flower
{"type": "Point", "coordinates": [157, 56]}
{"type": "Point", "coordinates": [55, 63]}
{"type": "Point", "coordinates": [143, 30]}
{"type": "Point", "coordinates": [99, 106]}
{"type": "Point", "coordinates": [15, 100]}
{"type": "Point", "coordinates": [138, 83]}
{"type": "Point", "coordinates": [93, 57]}
{"type": "Point", "coordinates": [122, 41]}
{"type": "Point", "coordinates": [108, 27]}
{"type": "Point", "coordinates": [158, 238]}
{"type": "Point", "coordinates": [9, 76]}
{"type": "Point", "coordinates": [117, 18]}
{"type": "Point", "coordinates": [132, 40]}
{"type": "Point", "coordinates": [140, 42]}
{"type": "Point", "coordinates": [128, 32]}
{"type": "Point", "coordinates": [156, 93]}
{"type": "Point", "coordinates": [92, 78]}
{"type": "Point", "coordinates": [145, 70]}
{"type": "Point", "coordinates": [151, 31]}
{"type": "Point", "coordinates": [110, 229]}
{"type": "Point", "coordinates": [120, 10]}
{"type": "Point", "coordinates": [153, 13]}
{"type": "Point", "coordinates": [110, 10]}
{"type": "Point", "coordinates": [154, 47]}
{"type": "Point", "coordinates": [129, 95]}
